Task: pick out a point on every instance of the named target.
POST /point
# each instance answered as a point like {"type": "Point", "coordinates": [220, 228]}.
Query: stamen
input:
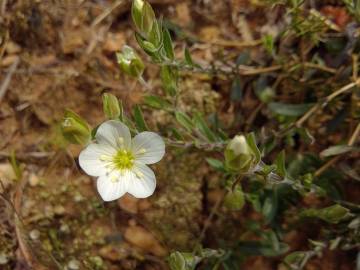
{"type": "Point", "coordinates": [142, 151]}
{"type": "Point", "coordinates": [105, 158]}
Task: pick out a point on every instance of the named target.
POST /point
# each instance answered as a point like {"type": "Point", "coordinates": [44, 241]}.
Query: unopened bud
{"type": "Point", "coordinates": [239, 156]}
{"type": "Point", "coordinates": [75, 129]}
{"type": "Point", "coordinates": [234, 200]}
{"type": "Point", "coordinates": [130, 63]}
{"type": "Point", "coordinates": [111, 106]}
{"type": "Point", "coordinates": [334, 213]}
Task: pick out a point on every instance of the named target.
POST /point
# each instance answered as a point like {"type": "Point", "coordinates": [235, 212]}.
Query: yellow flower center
{"type": "Point", "coordinates": [123, 160]}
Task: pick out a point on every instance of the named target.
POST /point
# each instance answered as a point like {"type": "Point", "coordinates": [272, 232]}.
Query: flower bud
{"type": "Point", "coordinates": [75, 129]}
{"type": "Point", "coordinates": [130, 63]}
{"type": "Point", "coordinates": [332, 214]}
{"type": "Point", "coordinates": [111, 106]}
{"type": "Point", "coordinates": [239, 156]}
{"type": "Point", "coordinates": [234, 200]}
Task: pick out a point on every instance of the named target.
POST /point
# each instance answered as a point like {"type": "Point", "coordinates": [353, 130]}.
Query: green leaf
{"type": "Point", "coordinates": [188, 59]}
{"type": "Point", "coordinates": [296, 260]}
{"type": "Point", "coordinates": [338, 150]}
{"type": "Point", "coordinates": [261, 248]}
{"type": "Point", "coordinates": [176, 134]}
{"type": "Point", "coordinates": [250, 139]}
{"type": "Point", "coordinates": [139, 119]}
{"type": "Point", "coordinates": [168, 46]}
{"type": "Point", "coordinates": [243, 58]}
{"type": "Point", "coordinates": [202, 126]}
{"type": "Point", "coordinates": [236, 89]}
{"type": "Point", "coordinates": [183, 261]}
{"type": "Point", "coordinates": [16, 166]}
{"type": "Point", "coordinates": [262, 90]}
{"type": "Point", "coordinates": [216, 164]}
{"type": "Point", "coordinates": [75, 129]}
{"type": "Point", "coordinates": [136, 12]}
{"type": "Point", "coordinates": [147, 46]}
{"type": "Point", "coordinates": [156, 35]}
{"type": "Point", "coordinates": [177, 261]}
{"type": "Point", "coordinates": [169, 79]}
{"type": "Point", "coordinates": [184, 120]}
{"type": "Point", "coordinates": [289, 109]}
{"type": "Point", "coordinates": [270, 206]}
{"type": "Point", "coordinates": [280, 164]}
{"type": "Point", "coordinates": [111, 106]}
{"type": "Point", "coordinates": [148, 18]}
{"type": "Point", "coordinates": [268, 42]}
{"type": "Point", "coordinates": [156, 102]}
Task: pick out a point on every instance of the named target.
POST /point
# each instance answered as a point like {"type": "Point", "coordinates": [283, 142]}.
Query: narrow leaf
{"type": "Point", "coordinates": [139, 119]}
{"type": "Point", "coordinates": [184, 120]}
{"type": "Point", "coordinates": [338, 150]}
{"type": "Point", "coordinates": [168, 46]}
{"type": "Point", "coordinates": [289, 109]}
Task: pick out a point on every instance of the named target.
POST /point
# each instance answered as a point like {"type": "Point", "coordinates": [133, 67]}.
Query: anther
{"type": "Point", "coordinates": [105, 158]}
{"type": "Point", "coordinates": [142, 151]}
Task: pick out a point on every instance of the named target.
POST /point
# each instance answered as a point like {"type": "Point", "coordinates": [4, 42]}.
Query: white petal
{"type": "Point", "coordinates": [144, 186]}
{"type": "Point", "coordinates": [114, 133]}
{"type": "Point", "coordinates": [89, 158]}
{"type": "Point", "coordinates": [148, 147]}
{"type": "Point", "coordinates": [112, 187]}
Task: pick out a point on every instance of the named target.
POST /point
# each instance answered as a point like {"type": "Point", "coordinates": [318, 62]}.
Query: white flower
{"type": "Point", "coordinates": [119, 162]}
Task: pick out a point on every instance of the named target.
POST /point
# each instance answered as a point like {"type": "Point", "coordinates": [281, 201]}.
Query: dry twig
{"type": "Point", "coordinates": [4, 86]}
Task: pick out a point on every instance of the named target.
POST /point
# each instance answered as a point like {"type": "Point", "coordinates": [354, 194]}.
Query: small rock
{"type": "Point", "coordinates": [33, 180]}
{"type": "Point", "coordinates": [183, 14]}
{"type": "Point", "coordinates": [209, 33]}
{"type": "Point", "coordinates": [114, 42]}
{"type": "Point", "coordinates": [34, 234]}
{"type": "Point", "coordinates": [113, 253]}
{"type": "Point", "coordinates": [78, 197]}
{"type": "Point", "coordinates": [144, 204]}
{"type": "Point", "coordinates": [9, 60]}
{"type": "Point", "coordinates": [12, 48]}
{"type": "Point", "coordinates": [143, 239]}
{"type": "Point", "coordinates": [72, 41]}
{"type": "Point", "coordinates": [74, 265]}
{"type": "Point", "coordinates": [129, 203]}
{"type": "Point", "coordinates": [3, 259]}
{"type": "Point", "coordinates": [59, 210]}
{"type": "Point", "coordinates": [64, 228]}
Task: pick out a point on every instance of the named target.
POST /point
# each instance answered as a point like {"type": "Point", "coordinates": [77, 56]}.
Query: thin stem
{"type": "Point", "coordinates": [332, 161]}
{"type": "Point", "coordinates": [325, 101]}
{"type": "Point", "coordinates": [354, 136]}
{"type": "Point", "coordinates": [202, 145]}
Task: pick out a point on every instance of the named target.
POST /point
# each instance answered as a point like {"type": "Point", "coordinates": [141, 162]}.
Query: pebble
{"type": "Point", "coordinates": [143, 239]}
{"type": "Point", "coordinates": [3, 259]}
{"type": "Point", "coordinates": [129, 203]}
{"type": "Point", "coordinates": [33, 180]}
{"type": "Point", "coordinates": [74, 265]}
{"type": "Point", "coordinates": [59, 210]}
{"type": "Point", "coordinates": [34, 234]}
